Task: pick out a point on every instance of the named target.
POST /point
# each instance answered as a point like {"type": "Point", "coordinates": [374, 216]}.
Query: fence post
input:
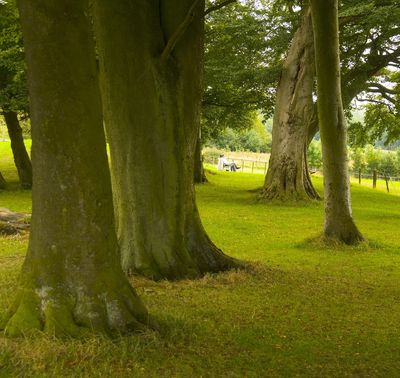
{"type": "Point", "coordinates": [359, 176]}
{"type": "Point", "coordinates": [374, 179]}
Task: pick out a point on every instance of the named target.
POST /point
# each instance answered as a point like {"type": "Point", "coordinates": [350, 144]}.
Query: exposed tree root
{"type": "Point", "coordinates": [12, 223]}
{"type": "Point", "coordinates": [58, 313]}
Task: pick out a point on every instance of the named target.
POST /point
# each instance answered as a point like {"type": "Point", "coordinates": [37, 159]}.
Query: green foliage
{"type": "Point", "coordinates": [389, 165]}
{"type": "Point", "coordinates": [373, 158]}
{"type": "Point", "coordinates": [314, 155]}
{"type": "Point", "coordinates": [245, 45]}
{"type": "Point", "coordinates": [382, 114]}
{"type": "Point", "coordinates": [13, 86]}
{"type": "Point", "coordinates": [370, 159]}
{"type": "Point", "coordinates": [359, 160]}
{"type": "Point", "coordinates": [254, 139]}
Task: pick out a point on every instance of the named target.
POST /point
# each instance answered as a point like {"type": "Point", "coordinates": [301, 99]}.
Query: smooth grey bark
{"type": "Point", "coordinates": [21, 157]}
{"type": "Point", "coordinates": [72, 281]}
{"type": "Point", "coordinates": [288, 177]}
{"type": "Point", "coordinates": [339, 224]}
{"type": "Point", "coordinates": [151, 68]}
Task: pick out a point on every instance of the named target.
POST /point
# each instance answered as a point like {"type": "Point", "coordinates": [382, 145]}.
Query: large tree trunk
{"type": "Point", "coordinates": [71, 280]}
{"type": "Point", "coordinates": [339, 223]}
{"type": "Point", "coordinates": [21, 157]}
{"type": "Point", "coordinates": [199, 174]}
{"type": "Point", "coordinates": [288, 177]}
{"type": "Point", "coordinates": [152, 105]}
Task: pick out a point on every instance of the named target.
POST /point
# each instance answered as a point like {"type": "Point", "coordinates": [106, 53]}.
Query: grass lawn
{"type": "Point", "coordinates": [302, 311]}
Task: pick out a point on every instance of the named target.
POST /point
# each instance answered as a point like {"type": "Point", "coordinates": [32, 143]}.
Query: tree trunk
{"type": "Point", "coordinates": [199, 173]}
{"type": "Point", "coordinates": [21, 157]}
{"type": "Point", "coordinates": [339, 224]}
{"type": "Point", "coordinates": [387, 182]}
{"type": "Point", "coordinates": [288, 177]}
{"type": "Point", "coordinates": [152, 116]}
{"type": "Point", "coordinates": [2, 182]}
{"type": "Point", "coordinates": [72, 281]}
{"type": "Point", "coordinates": [359, 176]}
{"type": "Point", "coordinates": [374, 178]}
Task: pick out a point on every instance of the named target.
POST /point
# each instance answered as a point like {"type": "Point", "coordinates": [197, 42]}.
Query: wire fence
{"type": "Point", "coordinates": [383, 182]}
{"type": "Point", "coordinates": [245, 165]}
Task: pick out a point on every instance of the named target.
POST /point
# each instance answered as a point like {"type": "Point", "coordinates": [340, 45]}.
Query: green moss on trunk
{"type": "Point", "coordinates": [71, 281]}
{"type": "Point", "coordinates": [152, 113]}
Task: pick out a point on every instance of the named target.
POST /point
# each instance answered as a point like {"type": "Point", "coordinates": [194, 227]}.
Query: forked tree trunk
{"type": "Point", "coordinates": [288, 177]}
{"type": "Point", "coordinates": [21, 157]}
{"type": "Point", "coordinates": [72, 280]}
{"type": "Point", "coordinates": [2, 182]}
{"type": "Point", "coordinates": [339, 224]}
{"type": "Point", "coordinates": [152, 108]}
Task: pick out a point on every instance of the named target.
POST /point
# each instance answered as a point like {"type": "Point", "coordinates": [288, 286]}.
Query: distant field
{"type": "Point", "coordinates": [302, 311]}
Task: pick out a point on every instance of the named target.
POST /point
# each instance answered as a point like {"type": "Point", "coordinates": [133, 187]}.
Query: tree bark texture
{"type": "Point", "coordinates": [199, 173]}
{"type": "Point", "coordinates": [72, 281]}
{"type": "Point", "coordinates": [339, 223]}
{"type": "Point", "coordinates": [288, 177]}
{"type": "Point", "coordinates": [21, 157]}
{"type": "Point", "coordinates": [152, 103]}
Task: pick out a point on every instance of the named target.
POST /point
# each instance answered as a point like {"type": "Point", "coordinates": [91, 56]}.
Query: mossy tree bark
{"type": "Point", "coordinates": [339, 224]}
{"type": "Point", "coordinates": [71, 280]}
{"type": "Point", "coordinates": [151, 68]}
{"type": "Point", "coordinates": [21, 157]}
{"type": "Point", "coordinates": [288, 177]}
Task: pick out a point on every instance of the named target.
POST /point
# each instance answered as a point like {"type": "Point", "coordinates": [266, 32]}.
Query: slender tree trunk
{"type": "Point", "coordinates": [387, 182]}
{"type": "Point", "coordinates": [71, 280]}
{"type": "Point", "coordinates": [374, 178]}
{"type": "Point", "coordinates": [2, 182]}
{"type": "Point", "coordinates": [21, 157]}
{"type": "Point", "coordinates": [199, 173]}
{"type": "Point", "coordinates": [288, 177]}
{"type": "Point", "coordinates": [339, 223]}
{"type": "Point", "coordinates": [152, 120]}
{"type": "Point", "coordinates": [359, 176]}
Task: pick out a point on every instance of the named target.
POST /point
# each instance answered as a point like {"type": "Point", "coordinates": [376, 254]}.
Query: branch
{"type": "Point", "coordinates": [179, 32]}
{"type": "Point", "coordinates": [218, 6]}
{"type": "Point", "coordinates": [230, 105]}
{"type": "Point", "coordinates": [374, 102]}
{"type": "Point", "coordinates": [377, 87]}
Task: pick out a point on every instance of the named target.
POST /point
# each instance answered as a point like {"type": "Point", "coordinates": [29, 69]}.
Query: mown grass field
{"type": "Point", "coordinates": [302, 311]}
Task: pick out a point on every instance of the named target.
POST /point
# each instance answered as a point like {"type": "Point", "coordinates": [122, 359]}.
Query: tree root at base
{"type": "Point", "coordinates": [61, 315]}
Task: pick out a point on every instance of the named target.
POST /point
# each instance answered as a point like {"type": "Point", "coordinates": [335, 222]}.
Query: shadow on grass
{"type": "Point", "coordinates": [322, 243]}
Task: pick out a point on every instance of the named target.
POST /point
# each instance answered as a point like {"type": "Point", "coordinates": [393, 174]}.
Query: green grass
{"type": "Point", "coordinates": [303, 310]}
